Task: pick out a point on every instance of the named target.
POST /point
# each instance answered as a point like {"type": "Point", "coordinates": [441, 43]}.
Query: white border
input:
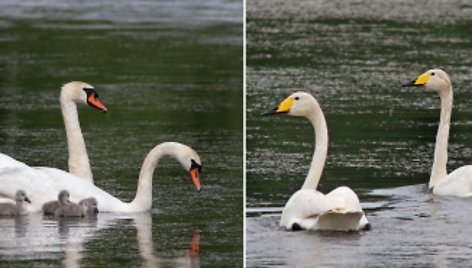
{"type": "Point", "coordinates": [244, 133]}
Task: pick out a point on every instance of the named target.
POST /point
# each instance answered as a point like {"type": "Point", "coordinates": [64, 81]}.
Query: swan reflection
{"type": "Point", "coordinates": [39, 237]}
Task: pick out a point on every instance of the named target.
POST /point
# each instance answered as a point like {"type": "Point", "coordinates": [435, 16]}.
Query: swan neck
{"type": "Point", "coordinates": [439, 170]}
{"type": "Point", "coordinates": [318, 121]}
{"type": "Point", "coordinates": [79, 164]}
{"type": "Point", "coordinates": [143, 198]}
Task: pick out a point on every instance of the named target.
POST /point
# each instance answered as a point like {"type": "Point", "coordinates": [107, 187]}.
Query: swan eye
{"type": "Point", "coordinates": [90, 91]}
{"type": "Point", "coordinates": [195, 165]}
{"type": "Point", "coordinates": [297, 98]}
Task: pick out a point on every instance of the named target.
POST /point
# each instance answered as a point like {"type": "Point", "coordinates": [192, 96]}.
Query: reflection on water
{"type": "Point", "coordinates": [40, 237]}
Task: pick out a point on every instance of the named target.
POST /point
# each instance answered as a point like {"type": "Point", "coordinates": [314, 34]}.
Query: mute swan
{"type": "Point", "coordinates": [67, 208]}
{"type": "Point", "coordinates": [458, 182]}
{"type": "Point", "coordinates": [309, 209]}
{"type": "Point", "coordinates": [7, 209]}
{"type": "Point", "coordinates": [86, 206]}
{"type": "Point", "coordinates": [72, 93]}
{"type": "Point", "coordinates": [90, 205]}
{"type": "Point", "coordinates": [43, 185]}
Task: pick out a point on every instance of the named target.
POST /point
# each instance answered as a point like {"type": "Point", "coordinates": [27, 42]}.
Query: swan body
{"type": "Point", "coordinates": [66, 207]}
{"type": "Point", "coordinates": [339, 210]}
{"type": "Point", "coordinates": [50, 207]}
{"type": "Point", "coordinates": [17, 209]}
{"type": "Point", "coordinates": [459, 182]}
{"type": "Point", "coordinates": [44, 184]}
{"type": "Point", "coordinates": [71, 94]}
{"type": "Point", "coordinates": [309, 209]}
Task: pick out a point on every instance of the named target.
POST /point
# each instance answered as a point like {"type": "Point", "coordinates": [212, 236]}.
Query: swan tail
{"type": "Point", "coordinates": [341, 220]}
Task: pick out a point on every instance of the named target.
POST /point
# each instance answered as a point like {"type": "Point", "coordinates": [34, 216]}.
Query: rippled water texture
{"type": "Point", "coordinates": [167, 71]}
{"type": "Point", "coordinates": [353, 56]}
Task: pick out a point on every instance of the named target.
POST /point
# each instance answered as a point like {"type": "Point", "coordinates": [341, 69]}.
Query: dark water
{"type": "Point", "coordinates": [353, 56]}
{"type": "Point", "coordinates": [166, 71]}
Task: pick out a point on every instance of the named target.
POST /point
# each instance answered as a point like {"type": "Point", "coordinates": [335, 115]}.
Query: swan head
{"type": "Point", "coordinates": [189, 160]}
{"type": "Point", "coordinates": [80, 92]}
{"type": "Point", "coordinates": [63, 197]}
{"type": "Point", "coordinates": [435, 80]}
{"type": "Point", "coordinates": [20, 196]}
{"type": "Point", "coordinates": [298, 104]}
{"type": "Point", "coordinates": [90, 205]}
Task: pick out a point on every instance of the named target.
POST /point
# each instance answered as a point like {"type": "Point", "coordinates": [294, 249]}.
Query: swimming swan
{"type": "Point", "coordinates": [44, 185]}
{"type": "Point", "coordinates": [72, 93]}
{"type": "Point", "coordinates": [458, 182]}
{"type": "Point", "coordinates": [87, 206]}
{"type": "Point", "coordinates": [90, 204]}
{"type": "Point", "coordinates": [8, 209]}
{"type": "Point", "coordinates": [67, 208]}
{"type": "Point", "coordinates": [309, 209]}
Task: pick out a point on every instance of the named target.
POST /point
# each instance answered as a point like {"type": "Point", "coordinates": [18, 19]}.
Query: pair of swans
{"type": "Point", "coordinates": [340, 209]}
{"type": "Point", "coordinates": [43, 183]}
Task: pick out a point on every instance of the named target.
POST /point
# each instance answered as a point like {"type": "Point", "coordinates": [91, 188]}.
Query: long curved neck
{"type": "Point", "coordinates": [439, 170]}
{"type": "Point", "coordinates": [318, 121]}
{"type": "Point", "coordinates": [143, 198]}
{"type": "Point", "coordinates": [78, 159]}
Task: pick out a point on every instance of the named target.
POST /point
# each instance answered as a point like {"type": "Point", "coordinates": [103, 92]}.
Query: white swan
{"type": "Point", "coordinates": [458, 182]}
{"type": "Point", "coordinates": [308, 209]}
{"type": "Point", "coordinates": [72, 93]}
{"type": "Point", "coordinates": [44, 185]}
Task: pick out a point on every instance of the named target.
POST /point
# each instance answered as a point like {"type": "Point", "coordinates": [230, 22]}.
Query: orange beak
{"type": "Point", "coordinates": [96, 103]}
{"type": "Point", "coordinates": [195, 179]}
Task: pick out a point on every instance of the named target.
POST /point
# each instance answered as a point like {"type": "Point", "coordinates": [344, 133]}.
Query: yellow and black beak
{"type": "Point", "coordinates": [419, 81]}
{"type": "Point", "coordinates": [283, 108]}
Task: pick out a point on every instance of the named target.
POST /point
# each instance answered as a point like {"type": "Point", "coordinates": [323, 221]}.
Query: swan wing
{"type": "Point", "coordinates": [340, 210]}
{"type": "Point", "coordinates": [457, 183]}
{"type": "Point", "coordinates": [304, 207]}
